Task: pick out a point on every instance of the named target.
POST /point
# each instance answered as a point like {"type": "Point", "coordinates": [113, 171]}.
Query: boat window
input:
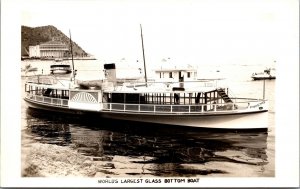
{"type": "Point", "coordinates": [65, 94]}
{"type": "Point", "coordinates": [38, 91]}
{"type": "Point", "coordinates": [188, 74]}
{"type": "Point", "coordinates": [170, 74]}
{"type": "Point", "coordinates": [142, 99]}
{"type": "Point", "coordinates": [176, 98]}
{"type": "Point", "coordinates": [173, 98]}
{"type": "Point", "coordinates": [105, 98]}
{"type": "Point", "coordinates": [27, 88]}
{"type": "Point", "coordinates": [132, 98]}
{"type": "Point", "coordinates": [117, 98]}
{"type": "Point", "coordinates": [197, 100]}
{"type": "Point", "coordinates": [47, 92]}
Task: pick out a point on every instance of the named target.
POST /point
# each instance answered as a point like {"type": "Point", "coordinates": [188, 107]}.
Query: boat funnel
{"type": "Point", "coordinates": [110, 73]}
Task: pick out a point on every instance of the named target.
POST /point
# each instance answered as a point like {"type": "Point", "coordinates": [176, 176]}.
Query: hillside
{"type": "Point", "coordinates": [37, 35]}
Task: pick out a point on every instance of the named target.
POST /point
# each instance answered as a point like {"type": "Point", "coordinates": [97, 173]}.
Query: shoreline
{"type": "Point", "coordinates": [47, 160]}
{"type": "Point", "coordinates": [53, 59]}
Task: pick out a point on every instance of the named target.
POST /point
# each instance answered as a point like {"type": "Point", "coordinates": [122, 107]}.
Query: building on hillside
{"type": "Point", "coordinates": [50, 49]}
{"type": "Point", "coordinates": [34, 51]}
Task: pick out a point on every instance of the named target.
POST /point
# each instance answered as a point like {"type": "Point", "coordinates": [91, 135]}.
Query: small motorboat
{"type": "Point", "coordinates": [60, 69]}
{"type": "Point", "coordinates": [268, 73]}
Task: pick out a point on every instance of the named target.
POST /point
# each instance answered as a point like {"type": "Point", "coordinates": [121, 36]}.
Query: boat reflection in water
{"type": "Point", "coordinates": [171, 151]}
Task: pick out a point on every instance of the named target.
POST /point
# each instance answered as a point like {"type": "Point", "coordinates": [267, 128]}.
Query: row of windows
{"type": "Point", "coordinates": [54, 93]}
{"type": "Point", "coordinates": [162, 98]}
{"type": "Point", "coordinates": [171, 74]}
{"type": "Point", "coordinates": [51, 48]}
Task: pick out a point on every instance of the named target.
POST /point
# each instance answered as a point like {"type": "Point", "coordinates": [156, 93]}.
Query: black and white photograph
{"type": "Point", "coordinates": [174, 93]}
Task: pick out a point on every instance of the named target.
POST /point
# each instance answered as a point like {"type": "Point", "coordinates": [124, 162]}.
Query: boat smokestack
{"type": "Point", "coordinates": [110, 73]}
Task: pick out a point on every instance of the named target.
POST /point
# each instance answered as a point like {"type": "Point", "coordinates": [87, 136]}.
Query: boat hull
{"type": "Point", "coordinates": [263, 78]}
{"type": "Point", "coordinates": [244, 120]}
{"type": "Point", "coordinates": [221, 121]}
{"type": "Point", "coordinates": [61, 71]}
{"type": "Point", "coordinates": [47, 107]}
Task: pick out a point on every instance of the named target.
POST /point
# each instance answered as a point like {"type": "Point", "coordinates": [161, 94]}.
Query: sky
{"type": "Point", "coordinates": [190, 31]}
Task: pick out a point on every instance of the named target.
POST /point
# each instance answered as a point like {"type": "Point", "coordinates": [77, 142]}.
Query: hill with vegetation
{"type": "Point", "coordinates": [36, 35]}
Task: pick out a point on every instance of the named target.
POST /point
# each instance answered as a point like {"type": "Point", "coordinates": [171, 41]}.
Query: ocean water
{"type": "Point", "coordinates": [55, 145]}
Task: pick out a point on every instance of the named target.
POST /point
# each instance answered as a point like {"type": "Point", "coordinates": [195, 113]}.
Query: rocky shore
{"type": "Point", "coordinates": [46, 160]}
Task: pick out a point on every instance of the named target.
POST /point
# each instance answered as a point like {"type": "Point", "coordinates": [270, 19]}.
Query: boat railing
{"type": "Point", "coordinates": [198, 83]}
{"type": "Point", "coordinates": [232, 95]}
{"type": "Point", "coordinates": [238, 105]}
{"type": "Point", "coordinates": [48, 100]}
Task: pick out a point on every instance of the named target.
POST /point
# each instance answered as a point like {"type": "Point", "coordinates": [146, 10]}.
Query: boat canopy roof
{"type": "Point", "coordinates": [58, 86]}
{"type": "Point", "coordinates": [162, 89]}
{"type": "Point", "coordinates": [49, 81]}
{"type": "Point", "coordinates": [176, 70]}
{"type": "Point", "coordinates": [60, 65]}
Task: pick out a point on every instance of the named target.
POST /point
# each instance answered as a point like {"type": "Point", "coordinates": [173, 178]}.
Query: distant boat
{"type": "Point", "coordinates": [269, 73]}
{"type": "Point", "coordinates": [60, 69]}
{"type": "Point", "coordinates": [58, 59]}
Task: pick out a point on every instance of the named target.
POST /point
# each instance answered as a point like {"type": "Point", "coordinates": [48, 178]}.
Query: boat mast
{"type": "Point", "coordinates": [72, 57]}
{"type": "Point", "coordinates": [144, 55]}
{"type": "Point", "coordinates": [264, 88]}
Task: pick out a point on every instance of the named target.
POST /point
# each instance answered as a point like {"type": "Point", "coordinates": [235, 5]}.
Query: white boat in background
{"type": "Point", "coordinates": [181, 102]}
{"type": "Point", "coordinates": [58, 59]}
{"type": "Point", "coordinates": [269, 73]}
{"type": "Point", "coordinates": [60, 69]}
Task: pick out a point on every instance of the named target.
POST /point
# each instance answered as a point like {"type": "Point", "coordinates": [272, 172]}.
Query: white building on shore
{"type": "Point", "coordinates": [50, 49]}
{"type": "Point", "coordinates": [34, 51]}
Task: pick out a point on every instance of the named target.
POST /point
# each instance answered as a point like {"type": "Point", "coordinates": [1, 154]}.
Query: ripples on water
{"type": "Point", "coordinates": [171, 149]}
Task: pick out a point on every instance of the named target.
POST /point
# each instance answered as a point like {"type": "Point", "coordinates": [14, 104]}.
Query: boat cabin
{"type": "Point", "coordinates": [171, 101]}
{"type": "Point", "coordinates": [176, 75]}
{"type": "Point", "coordinates": [164, 96]}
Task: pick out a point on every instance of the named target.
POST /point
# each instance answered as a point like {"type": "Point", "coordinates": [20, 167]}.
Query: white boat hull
{"type": "Point", "coordinates": [253, 120]}
{"type": "Point", "coordinates": [61, 71]}
{"type": "Point", "coordinates": [245, 120]}
{"type": "Point", "coordinates": [262, 77]}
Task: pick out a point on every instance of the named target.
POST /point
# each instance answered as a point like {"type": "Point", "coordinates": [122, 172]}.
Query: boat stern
{"type": "Point", "coordinates": [260, 105]}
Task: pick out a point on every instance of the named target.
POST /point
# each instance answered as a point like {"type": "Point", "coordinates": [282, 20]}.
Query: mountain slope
{"type": "Point", "coordinates": [34, 36]}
